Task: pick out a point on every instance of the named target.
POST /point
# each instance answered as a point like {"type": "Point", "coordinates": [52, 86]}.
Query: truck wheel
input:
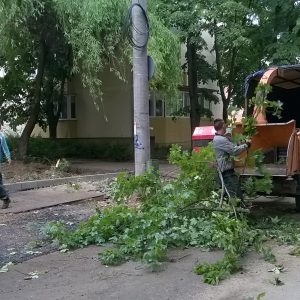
{"type": "Point", "coordinates": [297, 201]}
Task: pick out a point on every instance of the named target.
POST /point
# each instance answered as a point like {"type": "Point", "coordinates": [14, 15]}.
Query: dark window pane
{"type": "Point", "coordinates": [151, 105]}
{"type": "Point", "coordinates": [64, 108]}
{"type": "Point", "coordinates": [159, 108]}
{"type": "Point", "coordinates": [73, 107]}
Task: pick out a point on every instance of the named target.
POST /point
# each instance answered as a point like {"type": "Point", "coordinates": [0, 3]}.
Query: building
{"type": "Point", "coordinates": [111, 118]}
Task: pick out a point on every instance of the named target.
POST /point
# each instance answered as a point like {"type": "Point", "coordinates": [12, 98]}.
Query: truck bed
{"type": "Point", "coordinates": [276, 170]}
{"type": "Point", "coordinates": [283, 185]}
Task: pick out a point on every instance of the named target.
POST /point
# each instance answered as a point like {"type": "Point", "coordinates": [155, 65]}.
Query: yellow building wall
{"type": "Point", "coordinates": [109, 116]}
{"type": "Point", "coordinates": [112, 115]}
{"type": "Point", "coordinates": [168, 131]}
{"type": "Point", "coordinates": [38, 131]}
{"type": "Point", "coordinates": [65, 129]}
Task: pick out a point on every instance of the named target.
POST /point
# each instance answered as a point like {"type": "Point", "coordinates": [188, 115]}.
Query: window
{"type": "Point", "coordinates": [152, 105]}
{"type": "Point", "coordinates": [68, 109]}
{"type": "Point", "coordinates": [159, 106]}
{"type": "Point", "coordinates": [156, 105]}
{"type": "Point", "coordinates": [159, 111]}
{"type": "Point", "coordinates": [206, 104]}
{"type": "Point", "coordinates": [73, 108]}
{"type": "Point", "coordinates": [185, 99]}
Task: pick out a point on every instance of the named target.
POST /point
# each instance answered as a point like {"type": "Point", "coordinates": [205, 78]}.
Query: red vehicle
{"type": "Point", "coordinates": [202, 136]}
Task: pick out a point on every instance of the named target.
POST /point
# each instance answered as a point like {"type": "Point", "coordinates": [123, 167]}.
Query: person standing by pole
{"type": "Point", "coordinates": [225, 150]}
{"type": "Point", "coordinates": [4, 151]}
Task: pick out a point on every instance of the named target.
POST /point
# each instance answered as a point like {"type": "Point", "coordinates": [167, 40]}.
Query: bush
{"type": "Point", "coordinates": [48, 149]}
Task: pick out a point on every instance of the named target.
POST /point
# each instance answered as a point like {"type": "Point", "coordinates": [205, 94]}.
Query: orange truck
{"type": "Point", "coordinates": [279, 139]}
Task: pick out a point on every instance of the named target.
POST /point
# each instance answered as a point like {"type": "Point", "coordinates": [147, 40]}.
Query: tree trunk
{"type": "Point", "coordinates": [35, 105]}
{"type": "Point", "coordinates": [51, 116]}
{"type": "Point", "coordinates": [225, 100]}
{"type": "Point", "coordinates": [225, 109]}
{"type": "Point", "coordinates": [193, 86]}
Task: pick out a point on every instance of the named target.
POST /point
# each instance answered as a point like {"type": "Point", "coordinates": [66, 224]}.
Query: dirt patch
{"type": "Point", "coordinates": [22, 236]}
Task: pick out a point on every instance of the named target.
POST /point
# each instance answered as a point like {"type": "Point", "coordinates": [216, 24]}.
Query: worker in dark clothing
{"type": "Point", "coordinates": [4, 151]}
{"type": "Point", "coordinates": [225, 150]}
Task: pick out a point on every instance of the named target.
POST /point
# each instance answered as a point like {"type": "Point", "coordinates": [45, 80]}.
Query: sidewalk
{"type": "Point", "coordinates": [46, 197]}
{"type": "Point", "coordinates": [80, 275]}
{"type": "Point", "coordinates": [102, 167]}
{"type": "Point", "coordinates": [39, 194]}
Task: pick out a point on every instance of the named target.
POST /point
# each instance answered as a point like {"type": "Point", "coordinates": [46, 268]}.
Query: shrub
{"type": "Point", "coordinates": [42, 149]}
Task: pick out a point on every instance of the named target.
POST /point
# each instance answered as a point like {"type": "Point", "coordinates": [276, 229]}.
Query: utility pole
{"type": "Point", "coordinates": [140, 35]}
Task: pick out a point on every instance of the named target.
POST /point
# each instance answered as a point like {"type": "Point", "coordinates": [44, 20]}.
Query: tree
{"type": "Point", "coordinates": [31, 35]}
{"type": "Point", "coordinates": [58, 67]}
{"type": "Point", "coordinates": [44, 42]}
{"type": "Point", "coordinates": [41, 29]}
{"type": "Point", "coordinates": [279, 25]}
{"type": "Point", "coordinates": [184, 17]}
{"type": "Point", "coordinates": [250, 35]}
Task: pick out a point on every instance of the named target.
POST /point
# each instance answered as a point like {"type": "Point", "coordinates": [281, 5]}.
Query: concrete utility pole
{"type": "Point", "coordinates": [140, 87]}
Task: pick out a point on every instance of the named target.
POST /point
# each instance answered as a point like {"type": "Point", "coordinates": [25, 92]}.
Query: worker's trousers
{"type": "Point", "coordinates": [3, 192]}
{"type": "Point", "coordinates": [232, 183]}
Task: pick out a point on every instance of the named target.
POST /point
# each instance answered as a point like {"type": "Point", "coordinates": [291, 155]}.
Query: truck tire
{"type": "Point", "coordinates": [297, 202]}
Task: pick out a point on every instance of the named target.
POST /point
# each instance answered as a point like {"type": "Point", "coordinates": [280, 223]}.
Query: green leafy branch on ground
{"type": "Point", "coordinates": [160, 220]}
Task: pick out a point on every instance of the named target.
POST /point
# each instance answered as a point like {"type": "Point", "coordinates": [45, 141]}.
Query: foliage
{"type": "Point", "coordinates": [246, 36]}
{"type": "Point", "coordinates": [249, 127]}
{"type": "Point", "coordinates": [251, 35]}
{"type": "Point", "coordinates": [232, 235]}
{"type": "Point", "coordinates": [164, 48]}
{"type": "Point", "coordinates": [45, 42]}
{"type": "Point", "coordinates": [262, 182]}
{"type": "Point", "coordinates": [63, 165]}
{"type": "Point", "coordinates": [262, 104]}
{"type": "Point", "coordinates": [49, 149]}
{"type": "Point", "coordinates": [93, 28]}
{"type": "Point", "coordinates": [146, 233]}
{"type": "Point", "coordinates": [171, 213]}
{"type": "Point", "coordinates": [17, 59]}
{"type": "Point", "coordinates": [282, 230]}
{"type": "Point", "coordinates": [184, 18]}
{"type": "Point", "coordinates": [111, 257]}
{"type": "Point", "coordinates": [214, 273]}
{"type": "Point", "coordinates": [253, 185]}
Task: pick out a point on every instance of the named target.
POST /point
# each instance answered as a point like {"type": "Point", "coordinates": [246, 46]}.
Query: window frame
{"type": "Point", "coordinates": [69, 114]}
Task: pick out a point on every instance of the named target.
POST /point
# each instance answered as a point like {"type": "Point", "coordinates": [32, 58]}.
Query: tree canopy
{"type": "Point", "coordinates": [44, 42]}
{"type": "Point", "coordinates": [248, 35]}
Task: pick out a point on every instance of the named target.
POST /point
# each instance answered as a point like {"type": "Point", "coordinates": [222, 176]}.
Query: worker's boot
{"type": "Point", "coordinates": [6, 202]}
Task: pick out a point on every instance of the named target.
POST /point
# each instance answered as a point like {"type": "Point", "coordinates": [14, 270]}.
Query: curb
{"type": "Point", "coordinates": [36, 184]}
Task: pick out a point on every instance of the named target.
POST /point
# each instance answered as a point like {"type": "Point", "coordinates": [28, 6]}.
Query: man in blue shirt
{"type": "Point", "coordinates": [4, 150]}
